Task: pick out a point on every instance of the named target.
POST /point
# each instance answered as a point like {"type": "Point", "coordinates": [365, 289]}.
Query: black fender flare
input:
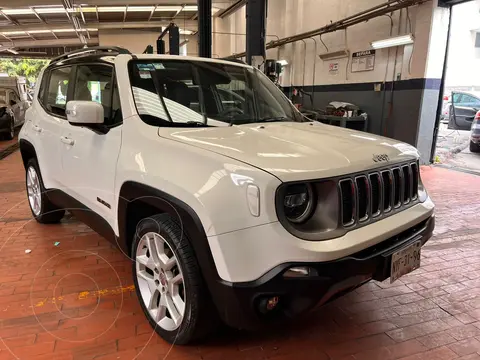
{"type": "Point", "coordinates": [28, 151]}
{"type": "Point", "coordinates": [165, 203]}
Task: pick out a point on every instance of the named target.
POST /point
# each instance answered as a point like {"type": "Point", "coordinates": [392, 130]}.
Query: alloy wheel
{"type": "Point", "coordinates": [34, 191]}
{"type": "Point", "coordinates": [160, 281]}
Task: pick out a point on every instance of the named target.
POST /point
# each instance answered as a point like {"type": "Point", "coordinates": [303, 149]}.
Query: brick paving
{"type": "Point", "coordinates": [76, 300]}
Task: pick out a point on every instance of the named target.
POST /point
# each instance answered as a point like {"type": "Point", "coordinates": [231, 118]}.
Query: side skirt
{"type": "Point", "coordinates": [83, 213]}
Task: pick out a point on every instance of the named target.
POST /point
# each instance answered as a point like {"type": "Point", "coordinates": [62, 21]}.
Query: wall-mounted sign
{"type": "Point", "coordinates": [363, 61]}
{"type": "Point", "coordinates": [333, 68]}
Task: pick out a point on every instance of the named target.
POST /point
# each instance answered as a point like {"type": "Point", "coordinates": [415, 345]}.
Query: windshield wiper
{"type": "Point", "coordinates": [197, 123]}
{"type": "Point", "coordinates": [158, 86]}
{"type": "Point", "coordinates": [273, 119]}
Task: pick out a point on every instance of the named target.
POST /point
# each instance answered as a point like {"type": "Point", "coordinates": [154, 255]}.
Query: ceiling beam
{"type": "Point", "coordinates": [189, 25]}
{"type": "Point", "coordinates": [19, 44]}
{"type": "Point", "coordinates": [231, 9]}
{"type": "Point", "coordinates": [28, 3]}
{"type": "Point", "coordinates": [8, 18]}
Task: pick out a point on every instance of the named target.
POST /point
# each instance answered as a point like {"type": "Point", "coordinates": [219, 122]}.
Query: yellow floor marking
{"type": "Point", "coordinates": [88, 295]}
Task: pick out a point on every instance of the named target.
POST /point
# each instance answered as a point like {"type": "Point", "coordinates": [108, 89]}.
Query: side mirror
{"type": "Point", "coordinates": [84, 113]}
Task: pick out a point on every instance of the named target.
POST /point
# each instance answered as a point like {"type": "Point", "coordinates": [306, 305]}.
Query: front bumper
{"type": "Point", "coordinates": [243, 304]}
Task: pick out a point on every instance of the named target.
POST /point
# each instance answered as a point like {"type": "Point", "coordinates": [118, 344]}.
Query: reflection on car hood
{"type": "Point", "coordinates": [296, 151]}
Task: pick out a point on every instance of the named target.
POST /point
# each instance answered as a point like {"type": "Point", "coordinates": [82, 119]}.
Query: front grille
{"type": "Point", "coordinates": [375, 194]}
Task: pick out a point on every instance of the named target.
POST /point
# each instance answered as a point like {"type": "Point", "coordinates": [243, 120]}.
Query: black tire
{"type": "Point", "coordinates": [201, 317]}
{"type": "Point", "coordinates": [49, 213]}
{"type": "Point", "coordinates": [11, 132]}
{"type": "Point", "coordinates": [475, 148]}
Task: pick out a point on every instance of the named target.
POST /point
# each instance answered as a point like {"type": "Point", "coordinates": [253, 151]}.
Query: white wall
{"type": "Point", "coordinates": [463, 60]}
{"type": "Point", "coordinates": [137, 40]}
{"type": "Point", "coordinates": [290, 17]}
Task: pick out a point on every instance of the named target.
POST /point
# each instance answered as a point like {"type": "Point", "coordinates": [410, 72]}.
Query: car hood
{"type": "Point", "coordinates": [296, 151]}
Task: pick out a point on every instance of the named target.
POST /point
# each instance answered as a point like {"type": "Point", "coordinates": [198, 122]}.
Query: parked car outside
{"type": "Point", "coordinates": [444, 116]}
{"type": "Point", "coordinates": [462, 112]}
{"type": "Point", "coordinates": [475, 134]}
{"type": "Point", "coordinates": [13, 104]}
{"type": "Point", "coordinates": [231, 204]}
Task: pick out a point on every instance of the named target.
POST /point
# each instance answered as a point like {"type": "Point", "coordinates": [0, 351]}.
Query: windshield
{"type": "Point", "coordinates": [199, 93]}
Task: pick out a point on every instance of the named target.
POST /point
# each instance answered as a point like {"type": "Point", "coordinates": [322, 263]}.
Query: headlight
{"type": "Point", "coordinates": [422, 192]}
{"type": "Point", "coordinates": [298, 202]}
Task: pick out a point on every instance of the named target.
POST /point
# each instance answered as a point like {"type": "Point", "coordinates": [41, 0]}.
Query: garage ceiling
{"type": "Point", "coordinates": [48, 24]}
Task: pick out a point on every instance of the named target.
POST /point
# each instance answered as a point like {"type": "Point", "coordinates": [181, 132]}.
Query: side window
{"type": "Point", "coordinates": [457, 98]}
{"type": "Point", "coordinates": [96, 83]}
{"type": "Point", "coordinates": [56, 98]}
{"type": "Point", "coordinates": [3, 97]}
{"type": "Point", "coordinates": [470, 100]}
{"type": "Point", "coordinates": [43, 85]}
{"type": "Point", "coordinates": [117, 116]}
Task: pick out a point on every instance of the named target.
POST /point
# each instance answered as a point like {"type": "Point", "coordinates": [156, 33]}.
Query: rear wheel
{"type": "Point", "coordinates": [42, 208]}
{"type": "Point", "coordinates": [474, 147]}
{"type": "Point", "coordinates": [11, 131]}
{"type": "Point", "coordinates": [169, 283]}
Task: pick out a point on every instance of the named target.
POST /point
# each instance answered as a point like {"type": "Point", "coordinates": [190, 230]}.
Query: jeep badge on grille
{"type": "Point", "coordinates": [380, 157]}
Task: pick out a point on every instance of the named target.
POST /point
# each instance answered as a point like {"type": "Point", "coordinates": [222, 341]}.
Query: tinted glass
{"type": "Point", "coordinates": [471, 100]}
{"type": "Point", "coordinates": [94, 83]}
{"type": "Point", "coordinates": [188, 93]}
{"type": "Point", "coordinates": [56, 98]}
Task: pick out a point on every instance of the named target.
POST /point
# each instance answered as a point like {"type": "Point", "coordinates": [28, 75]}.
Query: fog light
{"type": "Point", "coordinates": [272, 303]}
{"type": "Point", "coordinates": [300, 271]}
{"type": "Point", "coordinates": [268, 304]}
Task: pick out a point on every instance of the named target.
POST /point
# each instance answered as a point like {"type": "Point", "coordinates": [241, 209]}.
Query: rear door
{"type": "Point", "coordinates": [465, 107]}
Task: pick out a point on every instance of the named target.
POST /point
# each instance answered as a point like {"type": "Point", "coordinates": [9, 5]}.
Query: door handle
{"type": "Point", "coordinates": [37, 128]}
{"type": "Point", "coordinates": [67, 140]}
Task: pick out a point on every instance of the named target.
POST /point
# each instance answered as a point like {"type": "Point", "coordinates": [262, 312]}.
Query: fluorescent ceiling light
{"type": "Point", "coordinates": [332, 55]}
{"type": "Point", "coordinates": [49, 10]}
{"type": "Point", "coordinates": [393, 41]}
{"type": "Point", "coordinates": [7, 33]}
{"type": "Point", "coordinates": [17, 11]}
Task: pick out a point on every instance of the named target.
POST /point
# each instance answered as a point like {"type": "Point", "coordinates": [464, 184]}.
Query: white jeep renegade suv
{"type": "Point", "coordinates": [231, 205]}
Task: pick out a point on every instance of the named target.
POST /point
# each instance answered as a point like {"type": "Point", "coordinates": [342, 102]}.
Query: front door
{"type": "Point", "coordinates": [90, 154]}
{"type": "Point", "coordinates": [464, 108]}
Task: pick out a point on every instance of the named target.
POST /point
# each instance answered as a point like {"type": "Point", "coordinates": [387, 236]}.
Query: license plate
{"type": "Point", "coordinates": [405, 261]}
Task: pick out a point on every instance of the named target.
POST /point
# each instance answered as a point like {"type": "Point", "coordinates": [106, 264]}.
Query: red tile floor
{"type": "Point", "coordinates": [76, 300]}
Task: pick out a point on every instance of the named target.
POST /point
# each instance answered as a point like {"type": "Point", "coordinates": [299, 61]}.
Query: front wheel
{"type": "Point", "coordinates": [169, 283]}
{"type": "Point", "coordinates": [42, 208]}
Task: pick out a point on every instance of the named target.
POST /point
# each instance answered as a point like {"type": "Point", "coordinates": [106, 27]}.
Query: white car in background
{"type": "Point", "coordinates": [13, 104]}
{"type": "Point", "coordinates": [230, 203]}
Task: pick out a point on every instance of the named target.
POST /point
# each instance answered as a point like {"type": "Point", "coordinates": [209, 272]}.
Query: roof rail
{"type": "Point", "coordinates": [233, 60]}
{"type": "Point", "coordinates": [112, 50]}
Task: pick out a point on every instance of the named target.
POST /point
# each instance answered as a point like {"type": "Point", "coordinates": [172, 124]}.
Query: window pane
{"type": "Point", "coordinates": [57, 90]}
{"type": "Point", "coordinates": [94, 83]}
{"type": "Point", "coordinates": [3, 97]}
{"type": "Point", "coordinates": [467, 99]}
{"type": "Point", "coordinates": [117, 116]}
{"type": "Point", "coordinates": [456, 98]}
{"type": "Point", "coordinates": [195, 91]}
